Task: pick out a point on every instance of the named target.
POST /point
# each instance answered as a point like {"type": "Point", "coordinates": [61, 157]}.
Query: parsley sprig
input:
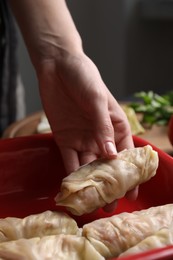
{"type": "Point", "coordinates": [155, 108]}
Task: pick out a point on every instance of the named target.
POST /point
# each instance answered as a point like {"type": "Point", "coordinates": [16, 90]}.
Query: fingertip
{"type": "Point", "coordinates": [110, 149]}
{"type": "Point", "coordinates": [111, 207]}
{"type": "Point", "coordinates": [132, 194]}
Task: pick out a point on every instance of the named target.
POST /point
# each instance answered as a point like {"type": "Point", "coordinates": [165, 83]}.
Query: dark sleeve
{"type": "Point", "coordinates": [8, 67]}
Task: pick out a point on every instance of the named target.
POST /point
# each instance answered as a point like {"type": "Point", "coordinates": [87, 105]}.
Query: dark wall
{"type": "Point", "coordinates": [149, 51]}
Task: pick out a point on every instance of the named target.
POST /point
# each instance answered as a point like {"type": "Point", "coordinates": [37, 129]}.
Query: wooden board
{"type": "Point", "coordinates": [24, 127]}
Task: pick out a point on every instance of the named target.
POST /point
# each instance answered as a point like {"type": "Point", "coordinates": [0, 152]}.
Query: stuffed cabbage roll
{"type": "Point", "coordinates": [37, 225]}
{"type": "Point", "coordinates": [162, 238]}
{"type": "Point", "coordinates": [114, 235]}
{"type": "Point", "coordinates": [52, 247]}
{"type": "Point", "coordinates": [103, 181]}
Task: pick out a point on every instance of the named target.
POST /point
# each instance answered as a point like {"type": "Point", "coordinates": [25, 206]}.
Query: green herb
{"type": "Point", "coordinates": [155, 109]}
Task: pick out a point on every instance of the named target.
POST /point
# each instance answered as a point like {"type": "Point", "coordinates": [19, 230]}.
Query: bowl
{"type": "Point", "coordinates": [31, 170]}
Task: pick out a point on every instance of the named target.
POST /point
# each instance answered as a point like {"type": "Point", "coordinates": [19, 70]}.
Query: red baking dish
{"type": "Point", "coordinates": [31, 170]}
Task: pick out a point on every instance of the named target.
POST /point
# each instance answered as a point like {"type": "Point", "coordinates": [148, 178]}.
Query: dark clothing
{"type": "Point", "coordinates": [8, 67]}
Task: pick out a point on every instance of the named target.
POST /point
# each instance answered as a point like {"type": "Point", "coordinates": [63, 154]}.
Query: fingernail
{"type": "Point", "coordinates": [110, 149]}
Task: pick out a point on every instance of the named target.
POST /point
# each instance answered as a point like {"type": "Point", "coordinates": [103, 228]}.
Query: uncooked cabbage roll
{"type": "Point", "coordinates": [103, 181]}
{"type": "Point", "coordinates": [114, 235]}
{"type": "Point", "coordinates": [53, 247]}
{"type": "Point", "coordinates": [162, 238]}
{"type": "Point", "coordinates": [37, 225]}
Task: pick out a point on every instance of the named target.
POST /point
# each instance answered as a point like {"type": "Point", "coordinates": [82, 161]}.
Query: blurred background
{"type": "Point", "coordinates": [130, 41]}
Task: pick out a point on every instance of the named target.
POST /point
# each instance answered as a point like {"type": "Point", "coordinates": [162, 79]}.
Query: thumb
{"type": "Point", "coordinates": [104, 132]}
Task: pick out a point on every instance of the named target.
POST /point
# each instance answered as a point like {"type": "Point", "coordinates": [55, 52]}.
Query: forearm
{"type": "Point", "coordinates": [47, 28]}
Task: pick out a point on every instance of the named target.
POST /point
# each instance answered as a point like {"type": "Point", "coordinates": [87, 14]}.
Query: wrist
{"type": "Point", "coordinates": [60, 61]}
{"type": "Point", "coordinates": [50, 49]}
{"type": "Point", "coordinates": [48, 29]}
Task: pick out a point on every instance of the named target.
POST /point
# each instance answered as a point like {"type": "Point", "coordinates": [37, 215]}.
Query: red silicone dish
{"type": "Point", "coordinates": [31, 170]}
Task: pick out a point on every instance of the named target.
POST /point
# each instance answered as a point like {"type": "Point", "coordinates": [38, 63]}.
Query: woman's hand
{"type": "Point", "coordinates": [87, 122]}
